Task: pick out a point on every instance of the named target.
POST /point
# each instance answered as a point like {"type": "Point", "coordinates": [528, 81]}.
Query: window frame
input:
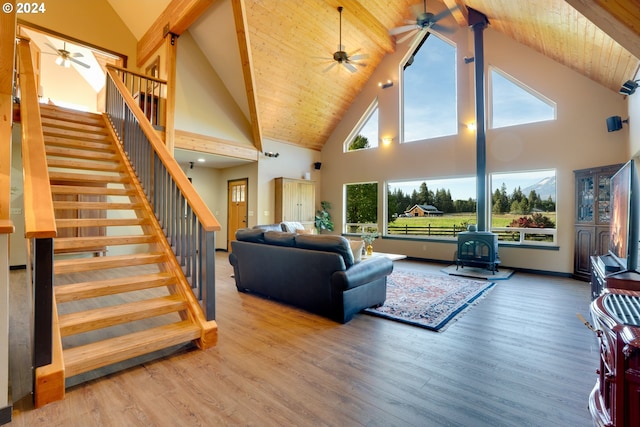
{"type": "Point", "coordinates": [370, 227]}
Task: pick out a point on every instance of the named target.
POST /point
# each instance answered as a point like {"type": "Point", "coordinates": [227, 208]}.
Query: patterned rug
{"type": "Point", "coordinates": [428, 300]}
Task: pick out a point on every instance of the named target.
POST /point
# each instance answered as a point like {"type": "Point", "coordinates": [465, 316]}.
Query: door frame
{"type": "Point", "coordinates": [246, 192]}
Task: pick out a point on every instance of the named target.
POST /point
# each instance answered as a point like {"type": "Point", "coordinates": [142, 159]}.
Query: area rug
{"type": "Point", "coordinates": [429, 301]}
{"type": "Point", "coordinates": [478, 273]}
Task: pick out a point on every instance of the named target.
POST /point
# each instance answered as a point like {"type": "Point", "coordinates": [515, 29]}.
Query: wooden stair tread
{"type": "Point", "coordinates": [58, 141]}
{"type": "Point", "coordinates": [104, 317]}
{"type": "Point", "coordinates": [100, 263]}
{"type": "Point", "coordinates": [57, 112]}
{"type": "Point", "coordinates": [73, 134]}
{"type": "Point", "coordinates": [86, 189]}
{"type": "Point", "coordinates": [104, 166]}
{"type": "Point", "coordinates": [102, 353]}
{"type": "Point", "coordinates": [99, 288]}
{"type": "Point", "coordinates": [88, 177]}
{"type": "Point", "coordinates": [56, 122]}
{"type": "Point", "coordinates": [66, 243]}
{"type": "Point", "coordinates": [95, 205]}
{"type": "Point", "coordinates": [99, 222]}
{"type": "Point", "coordinates": [73, 153]}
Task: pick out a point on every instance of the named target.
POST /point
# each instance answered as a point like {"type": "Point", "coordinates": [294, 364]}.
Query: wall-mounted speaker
{"type": "Point", "coordinates": [614, 123]}
{"type": "Point", "coordinates": [317, 165]}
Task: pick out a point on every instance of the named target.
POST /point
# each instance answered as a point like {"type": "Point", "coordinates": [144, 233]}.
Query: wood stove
{"type": "Point", "coordinates": [478, 249]}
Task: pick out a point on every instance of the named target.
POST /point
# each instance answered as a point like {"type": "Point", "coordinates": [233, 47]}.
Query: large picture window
{"type": "Point", "coordinates": [434, 208]}
{"type": "Point", "coordinates": [429, 97]}
{"type": "Point", "coordinates": [523, 207]}
{"type": "Point", "coordinates": [361, 207]}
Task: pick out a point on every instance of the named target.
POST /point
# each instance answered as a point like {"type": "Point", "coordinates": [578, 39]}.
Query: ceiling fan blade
{"type": "Point", "coordinates": [82, 64]}
{"type": "Point", "coordinates": [402, 29]}
{"type": "Point", "coordinates": [76, 55]}
{"type": "Point", "coordinates": [442, 29]}
{"type": "Point", "coordinates": [408, 36]}
{"type": "Point", "coordinates": [333, 64]}
{"type": "Point", "coordinates": [350, 67]}
{"type": "Point", "coordinates": [444, 13]}
{"type": "Point", "coordinates": [358, 57]}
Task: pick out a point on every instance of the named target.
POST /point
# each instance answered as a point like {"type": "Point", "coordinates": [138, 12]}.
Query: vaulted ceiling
{"type": "Point", "coordinates": [291, 42]}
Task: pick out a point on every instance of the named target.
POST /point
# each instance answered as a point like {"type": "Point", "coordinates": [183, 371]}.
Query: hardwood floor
{"type": "Point", "coordinates": [518, 358]}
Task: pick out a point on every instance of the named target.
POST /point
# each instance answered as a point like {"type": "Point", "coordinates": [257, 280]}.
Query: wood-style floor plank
{"type": "Point", "coordinates": [520, 357]}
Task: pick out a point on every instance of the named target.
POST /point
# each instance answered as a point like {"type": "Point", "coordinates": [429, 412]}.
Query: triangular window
{"type": "Point", "coordinates": [365, 135]}
{"type": "Point", "coordinates": [513, 103]}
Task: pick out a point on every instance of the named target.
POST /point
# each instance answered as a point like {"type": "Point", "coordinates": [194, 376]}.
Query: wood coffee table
{"type": "Point", "coordinates": [392, 257]}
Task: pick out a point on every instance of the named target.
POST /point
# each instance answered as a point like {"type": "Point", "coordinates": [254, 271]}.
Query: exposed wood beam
{"type": "Point", "coordinates": [459, 11]}
{"type": "Point", "coordinates": [620, 20]}
{"type": "Point", "coordinates": [211, 145]}
{"type": "Point", "coordinates": [242, 33]}
{"type": "Point", "coordinates": [359, 16]}
{"type": "Point", "coordinates": [176, 18]}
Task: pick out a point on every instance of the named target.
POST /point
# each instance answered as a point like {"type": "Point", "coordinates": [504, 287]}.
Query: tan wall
{"type": "Point", "coordinates": [577, 139]}
{"type": "Point", "coordinates": [93, 22]}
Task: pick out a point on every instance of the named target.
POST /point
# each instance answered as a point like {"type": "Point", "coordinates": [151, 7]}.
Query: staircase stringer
{"type": "Point", "coordinates": [209, 329]}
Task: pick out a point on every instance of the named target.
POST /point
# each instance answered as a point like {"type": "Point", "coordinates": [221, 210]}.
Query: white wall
{"type": "Point", "coordinates": [577, 139]}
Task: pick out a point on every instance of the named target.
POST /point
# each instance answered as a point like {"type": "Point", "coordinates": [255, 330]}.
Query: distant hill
{"type": "Point", "coordinates": [545, 187]}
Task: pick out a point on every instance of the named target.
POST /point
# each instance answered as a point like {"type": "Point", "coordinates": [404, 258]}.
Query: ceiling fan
{"type": "Point", "coordinates": [65, 58]}
{"type": "Point", "coordinates": [342, 57]}
{"type": "Point", "coordinates": [425, 21]}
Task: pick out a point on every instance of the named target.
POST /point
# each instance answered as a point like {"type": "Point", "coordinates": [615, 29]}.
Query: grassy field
{"type": "Point", "coordinates": [502, 220]}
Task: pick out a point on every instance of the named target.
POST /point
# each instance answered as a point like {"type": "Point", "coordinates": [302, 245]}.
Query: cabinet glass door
{"type": "Point", "coordinates": [604, 196]}
{"type": "Point", "coordinates": [585, 199]}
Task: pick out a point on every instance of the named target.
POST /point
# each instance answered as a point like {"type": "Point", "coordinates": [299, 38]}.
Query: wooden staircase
{"type": "Point", "coordinates": [119, 291]}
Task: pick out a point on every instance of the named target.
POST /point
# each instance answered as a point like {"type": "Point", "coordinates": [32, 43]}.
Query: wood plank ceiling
{"type": "Point", "coordinates": [291, 42]}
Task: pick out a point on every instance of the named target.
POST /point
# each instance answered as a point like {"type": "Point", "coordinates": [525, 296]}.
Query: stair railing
{"type": "Point", "coordinates": [40, 224]}
{"type": "Point", "coordinates": [148, 92]}
{"type": "Point", "coordinates": [187, 222]}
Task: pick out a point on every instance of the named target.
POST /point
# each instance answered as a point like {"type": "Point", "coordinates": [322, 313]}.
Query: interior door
{"type": "Point", "coordinates": [237, 208]}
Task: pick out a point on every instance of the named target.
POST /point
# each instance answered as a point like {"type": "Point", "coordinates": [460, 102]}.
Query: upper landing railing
{"type": "Point", "coordinates": [187, 222]}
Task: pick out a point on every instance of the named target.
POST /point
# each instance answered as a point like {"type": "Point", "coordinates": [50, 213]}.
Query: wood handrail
{"type": "Point", "coordinates": [206, 218]}
{"type": "Point", "coordinates": [6, 226]}
{"type": "Point", "coordinates": [133, 73]}
{"type": "Point", "coordinates": [38, 205]}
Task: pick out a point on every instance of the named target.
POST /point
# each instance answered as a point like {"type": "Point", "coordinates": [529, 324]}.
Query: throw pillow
{"type": "Point", "coordinates": [303, 231]}
{"type": "Point", "coordinates": [356, 249]}
{"type": "Point", "coordinates": [291, 226]}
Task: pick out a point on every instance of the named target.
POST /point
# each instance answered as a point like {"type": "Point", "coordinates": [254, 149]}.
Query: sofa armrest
{"type": "Point", "coordinates": [361, 273]}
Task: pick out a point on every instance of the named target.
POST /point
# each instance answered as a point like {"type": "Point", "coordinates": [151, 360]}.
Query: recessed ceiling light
{"type": "Point", "coordinates": [200, 160]}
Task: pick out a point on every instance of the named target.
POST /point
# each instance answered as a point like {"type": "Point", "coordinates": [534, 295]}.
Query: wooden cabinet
{"type": "Point", "coordinates": [295, 201]}
{"type": "Point", "coordinates": [615, 398]}
{"type": "Point", "coordinates": [592, 216]}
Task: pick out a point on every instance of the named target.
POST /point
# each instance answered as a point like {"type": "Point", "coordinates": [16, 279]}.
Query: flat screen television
{"type": "Point", "coordinates": [623, 228]}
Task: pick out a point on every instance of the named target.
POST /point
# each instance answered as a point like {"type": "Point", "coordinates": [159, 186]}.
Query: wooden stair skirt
{"type": "Point", "coordinates": [119, 292]}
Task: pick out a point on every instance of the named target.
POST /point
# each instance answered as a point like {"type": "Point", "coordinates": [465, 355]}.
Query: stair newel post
{"type": "Point", "coordinates": [43, 302]}
{"type": "Point", "coordinates": [208, 275]}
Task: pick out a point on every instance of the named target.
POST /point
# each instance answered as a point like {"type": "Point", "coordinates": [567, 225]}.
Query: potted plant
{"type": "Point", "coordinates": [323, 217]}
{"type": "Point", "coordinates": [368, 238]}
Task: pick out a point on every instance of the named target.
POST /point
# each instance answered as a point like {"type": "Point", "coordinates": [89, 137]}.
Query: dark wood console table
{"type": "Point", "coordinates": [603, 277]}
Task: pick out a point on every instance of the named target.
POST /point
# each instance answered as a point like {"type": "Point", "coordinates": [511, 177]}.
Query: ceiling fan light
{"type": "Point", "coordinates": [67, 63]}
{"type": "Point", "coordinates": [59, 60]}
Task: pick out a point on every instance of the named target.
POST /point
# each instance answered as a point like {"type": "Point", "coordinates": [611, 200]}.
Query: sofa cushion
{"type": "Point", "coordinates": [280, 238]}
{"type": "Point", "coordinates": [291, 226]}
{"type": "Point", "coordinates": [327, 243]}
{"type": "Point", "coordinates": [253, 235]}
